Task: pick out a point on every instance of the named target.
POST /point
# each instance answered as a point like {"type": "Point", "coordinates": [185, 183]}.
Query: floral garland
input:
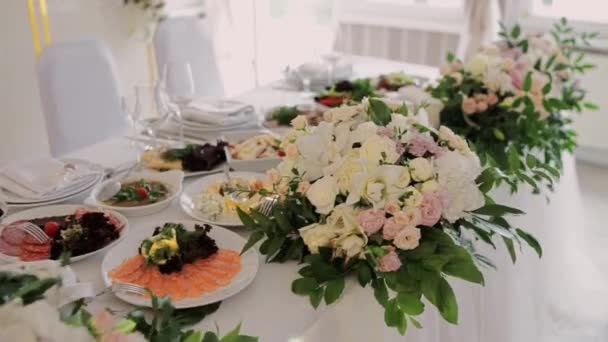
{"type": "Point", "coordinates": [371, 193]}
{"type": "Point", "coordinates": [510, 100]}
{"type": "Point", "coordinates": [28, 315]}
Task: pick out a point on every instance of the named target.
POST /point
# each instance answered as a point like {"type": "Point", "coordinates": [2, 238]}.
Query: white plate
{"type": "Point", "coordinates": [188, 204]}
{"type": "Point", "coordinates": [251, 165]}
{"type": "Point", "coordinates": [16, 201]}
{"type": "Point", "coordinates": [171, 179]}
{"type": "Point", "coordinates": [223, 237]}
{"type": "Point", "coordinates": [59, 210]}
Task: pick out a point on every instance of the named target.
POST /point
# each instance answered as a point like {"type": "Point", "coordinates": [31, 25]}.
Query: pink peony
{"type": "Point", "coordinates": [390, 262]}
{"type": "Point", "coordinates": [371, 220]}
{"type": "Point", "coordinates": [391, 229]}
{"type": "Point", "coordinates": [469, 105]}
{"type": "Point", "coordinates": [420, 144]}
{"type": "Point", "coordinates": [430, 209]}
{"type": "Point", "coordinates": [492, 99]}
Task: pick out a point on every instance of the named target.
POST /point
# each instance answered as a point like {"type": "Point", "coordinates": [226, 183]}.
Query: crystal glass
{"type": "Point", "coordinates": [179, 90]}
{"type": "Point", "coordinates": [150, 109]}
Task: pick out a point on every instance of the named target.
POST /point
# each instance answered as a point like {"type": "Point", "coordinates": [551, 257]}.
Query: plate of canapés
{"type": "Point", "coordinates": [141, 193]}
{"type": "Point", "coordinates": [214, 199]}
{"type": "Point", "coordinates": [192, 263]}
{"type": "Point", "coordinates": [193, 159]}
{"type": "Point", "coordinates": [253, 151]}
{"type": "Point", "coordinates": [73, 230]}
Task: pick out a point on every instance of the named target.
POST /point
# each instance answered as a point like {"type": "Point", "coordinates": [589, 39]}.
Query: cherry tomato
{"type": "Point", "coordinates": [331, 101]}
{"type": "Point", "coordinates": [142, 192]}
{"type": "Point", "coordinates": [51, 228]}
{"type": "Point", "coordinates": [280, 153]}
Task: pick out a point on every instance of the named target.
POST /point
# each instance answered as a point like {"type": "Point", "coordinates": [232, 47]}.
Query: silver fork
{"type": "Point", "coordinates": [128, 288]}
{"type": "Point", "coordinates": [265, 208]}
{"type": "Point", "coordinates": [35, 231]}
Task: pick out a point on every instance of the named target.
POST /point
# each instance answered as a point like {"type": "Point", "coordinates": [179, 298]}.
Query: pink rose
{"type": "Point", "coordinates": [390, 262]}
{"type": "Point", "coordinates": [391, 229]}
{"type": "Point", "coordinates": [392, 206]}
{"type": "Point", "coordinates": [430, 209]}
{"type": "Point", "coordinates": [420, 144]}
{"type": "Point", "coordinates": [516, 78]}
{"type": "Point", "coordinates": [371, 220]}
{"type": "Point", "coordinates": [492, 99]}
{"type": "Point", "coordinates": [469, 105]}
{"type": "Point", "coordinates": [303, 186]}
{"type": "Point", "coordinates": [408, 217]}
{"type": "Point", "coordinates": [482, 106]}
{"type": "Point", "coordinates": [481, 97]}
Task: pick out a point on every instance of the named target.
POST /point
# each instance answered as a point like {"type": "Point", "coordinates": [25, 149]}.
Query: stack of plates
{"type": "Point", "coordinates": [203, 118]}
{"type": "Point", "coordinates": [318, 74]}
{"type": "Point", "coordinates": [18, 195]}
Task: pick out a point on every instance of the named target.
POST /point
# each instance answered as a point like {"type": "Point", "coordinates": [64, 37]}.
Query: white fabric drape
{"type": "Point", "coordinates": [481, 26]}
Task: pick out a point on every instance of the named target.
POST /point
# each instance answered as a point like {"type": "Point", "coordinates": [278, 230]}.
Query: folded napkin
{"type": "Point", "coordinates": [217, 112]}
{"type": "Point", "coordinates": [42, 178]}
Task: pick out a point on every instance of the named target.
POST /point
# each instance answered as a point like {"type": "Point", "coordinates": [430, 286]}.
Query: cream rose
{"type": "Point", "coordinates": [349, 167]}
{"type": "Point", "coordinates": [421, 169]}
{"type": "Point", "coordinates": [317, 235]}
{"type": "Point", "coordinates": [429, 186]}
{"type": "Point", "coordinates": [299, 122]}
{"type": "Point", "coordinates": [408, 238]}
{"type": "Point", "coordinates": [377, 148]}
{"type": "Point", "coordinates": [322, 194]}
{"type": "Point", "coordinates": [478, 65]}
{"type": "Point", "coordinates": [413, 197]}
{"type": "Point", "coordinates": [408, 217]}
{"type": "Point", "coordinates": [350, 247]}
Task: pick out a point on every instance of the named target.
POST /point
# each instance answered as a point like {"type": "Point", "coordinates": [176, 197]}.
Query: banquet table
{"type": "Point", "coordinates": [505, 310]}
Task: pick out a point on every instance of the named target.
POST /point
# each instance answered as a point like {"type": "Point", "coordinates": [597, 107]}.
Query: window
{"type": "Point", "coordinates": [594, 11]}
{"type": "Point", "coordinates": [425, 3]}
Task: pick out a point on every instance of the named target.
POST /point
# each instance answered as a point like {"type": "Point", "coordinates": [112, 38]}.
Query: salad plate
{"type": "Point", "coordinates": [205, 200]}
{"type": "Point", "coordinates": [191, 263]}
{"type": "Point", "coordinates": [81, 230]}
{"type": "Point", "coordinates": [253, 150]}
{"type": "Point", "coordinates": [194, 159]}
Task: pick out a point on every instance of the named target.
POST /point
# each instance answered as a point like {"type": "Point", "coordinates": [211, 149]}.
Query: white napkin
{"type": "Point", "coordinates": [217, 112]}
{"type": "Point", "coordinates": [42, 178]}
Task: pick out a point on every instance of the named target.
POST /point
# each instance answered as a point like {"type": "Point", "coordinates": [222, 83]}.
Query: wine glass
{"type": "Point", "coordinates": [150, 109]}
{"type": "Point", "coordinates": [178, 85]}
{"type": "Point", "coordinates": [331, 59]}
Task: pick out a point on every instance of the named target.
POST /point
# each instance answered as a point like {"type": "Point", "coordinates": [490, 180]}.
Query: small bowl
{"type": "Point", "coordinates": [250, 165]}
{"type": "Point", "coordinates": [172, 179]}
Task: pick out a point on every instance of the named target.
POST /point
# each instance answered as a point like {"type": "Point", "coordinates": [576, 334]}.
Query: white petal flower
{"type": "Point", "coordinates": [378, 148]}
{"type": "Point", "coordinates": [322, 194]}
{"type": "Point", "coordinates": [421, 169]}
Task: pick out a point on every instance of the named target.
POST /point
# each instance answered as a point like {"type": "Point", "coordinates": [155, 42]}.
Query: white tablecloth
{"type": "Point", "coordinates": [518, 303]}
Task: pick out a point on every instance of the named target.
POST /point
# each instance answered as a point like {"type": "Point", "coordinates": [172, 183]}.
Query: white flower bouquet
{"type": "Point", "coordinates": [372, 193]}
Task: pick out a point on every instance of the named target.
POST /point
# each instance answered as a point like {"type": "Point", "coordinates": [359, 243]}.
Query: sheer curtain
{"type": "Point", "coordinates": [481, 26]}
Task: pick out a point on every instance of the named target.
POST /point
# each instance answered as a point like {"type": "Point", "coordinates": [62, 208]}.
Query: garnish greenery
{"type": "Point", "coordinates": [151, 193]}
{"type": "Point", "coordinates": [284, 114]}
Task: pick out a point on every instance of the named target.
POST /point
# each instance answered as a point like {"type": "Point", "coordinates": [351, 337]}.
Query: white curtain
{"type": "Point", "coordinates": [481, 26]}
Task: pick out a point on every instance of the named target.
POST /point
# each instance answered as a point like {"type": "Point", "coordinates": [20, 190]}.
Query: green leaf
{"type": "Point", "coordinates": [439, 292]}
{"type": "Point", "coordinates": [392, 313]}
{"type": "Point", "coordinates": [451, 56]}
{"type": "Point", "coordinates": [415, 323]}
{"type": "Point", "coordinates": [191, 316]}
{"type": "Point", "coordinates": [497, 210]}
{"type": "Point", "coordinates": [275, 245]}
{"type": "Point", "coordinates": [333, 290]}
{"type": "Point", "coordinates": [380, 291]}
{"type": "Point", "coordinates": [324, 271]}
{"type": "Point", "coordinates": [253, 239]}
{"type": "Point", "coordinates": [195, 336]}
{"type": "Point", "coordinates": [531, 241]}
{"type": "Point", "coordinates": [304, 286]}
{"type": "Point", "coordinates": [210, 337]}
{"type": "Point", "coordinates": [462, 266]}
{"type": "Point", "coordinates": [547, 88]}
{"type": "Point", "coordinates": [531, 161]}
{"type": "Point", "coordinates": [527, 81]}
{"type": "Point", "coordinates": [379, 112]}
{"type": "Point", "coordinates": [248, 222]}
{"type": "Point", "coordinates": [364, 274]}
{"type": "Point", "coordinates": [509, 244]}
{"type": "Point", "coordinates": [515, 32]}
{"type": "Point", "coordinates": [513, 158]}
{"type": "Point", "coordinates": [315, 297]}
{"type": "Point", "coordinates": [402, 109]}
{"type": "Point", "coordinates": [410, 303]}
{"type": "Point", "coordinates": [591, 106]}
{"type": "Point", "coordinates": [498, 134]}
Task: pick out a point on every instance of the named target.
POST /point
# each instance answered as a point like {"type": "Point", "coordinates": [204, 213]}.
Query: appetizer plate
{"type": "Point", "coordinates": [251, 165]}
{"type": "Point", "coordinates": [59, 210]}
{"type": "Point", "coordinates": [14, 201]}
{"type": "Point", "coordinates": [188, 198]}
{"type": "Point", "coordinates": [223, 237]}
{"type": "Point", "coordinates": [171, 179]}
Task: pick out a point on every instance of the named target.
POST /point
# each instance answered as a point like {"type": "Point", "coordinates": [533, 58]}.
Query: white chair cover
{"type": "Point", "coordinates": [188, 40]}
{"type": "Point", "coordinates": [79, 94]}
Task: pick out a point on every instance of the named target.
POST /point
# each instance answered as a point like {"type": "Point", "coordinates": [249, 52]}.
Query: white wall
{"type": "Point", "coordinates": [22, 130]}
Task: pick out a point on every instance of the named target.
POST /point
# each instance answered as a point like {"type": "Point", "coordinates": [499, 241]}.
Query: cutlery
{"type": "Point", "coordinates": [265, 208]}
{"type": "Point", "coordinates": [36, 232]}
{"type": "Point", "coordinates": [128, 288]}
{"type": "Point", "coordinates": [111, 188]}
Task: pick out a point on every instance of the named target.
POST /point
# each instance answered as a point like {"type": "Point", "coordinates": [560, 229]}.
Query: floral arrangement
{"type": "Point", "coordinates": [509, 102]}
{"type": "Point", "coordinates": [28, 314]}
{"type": "Point", "coordinates": [371, 193]}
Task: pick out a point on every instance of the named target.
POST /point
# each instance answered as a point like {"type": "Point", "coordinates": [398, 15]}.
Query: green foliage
{"type": "Point", "coordinates": [379, 112]}
{"type": "Point", "coordinates": [25, 286]}
{"type": "Point", "coordinates": [284, 114]}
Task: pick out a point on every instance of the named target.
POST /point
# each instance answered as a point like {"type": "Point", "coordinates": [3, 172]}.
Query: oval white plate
{"type": "Point", "coordinates": [58, 210]}
{"type": "Point", "coordinates": [188, 204]}
{"type": "Point", "coordinates": [17, 202]}
{"type": "Point", "coordinates": [171, 179]}
{"type": "Point", "coordinates": [224, 238]}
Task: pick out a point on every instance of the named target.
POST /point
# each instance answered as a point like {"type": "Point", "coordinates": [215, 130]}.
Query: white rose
{"type": "Point", "coordinates": [344, 170]}
{"type": "Point", "coordinates": [317, 235]}
{"type": "Point", "coordinates": [477, 65]}
{"type": "Point", "coordinates": [400, 123]}
{"type": "Point", "coordinates": [322, 194]}
{"type": "Point", "coordinates": [376, 148]}
{"type": "Point", "coordinates": [454, 141]}
{"type": "Point", "coordinates": [299, 122]}
{"type": "Point", "coordinates": [374, 192]}
{"type": "Point", "coordinates": [350, 247]}
{"type": "Point", "coordinates": [413, 197]}
{"type": "Point", "coordinates": [421, 169]}
{"type": "Point", "coordinates": [429, 186]}
{"type": "Point", "coordinates": [456, 174]}
{"type": "Point", "coordinates": [404, 178]}
{"type": "Point", "coordinates": [408, 238]}
{"type": "Point", "coordinates": [445, 133]}
{"type": "Point", "coordinates": [363, 132]}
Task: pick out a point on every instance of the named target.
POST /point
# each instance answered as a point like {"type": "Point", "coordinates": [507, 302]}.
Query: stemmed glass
{"type": "Point", "coordinates": [178, 90]}
{"type": "Point", "coordinates": [148, 111]}
{"type": "Point", "coordinates": [331, 59]}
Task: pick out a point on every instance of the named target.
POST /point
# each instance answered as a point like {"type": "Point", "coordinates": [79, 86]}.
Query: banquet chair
{"type": "Point", "coordinates": [80, 95]}
{"type": "Point", "coordinates": [188, 40]}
